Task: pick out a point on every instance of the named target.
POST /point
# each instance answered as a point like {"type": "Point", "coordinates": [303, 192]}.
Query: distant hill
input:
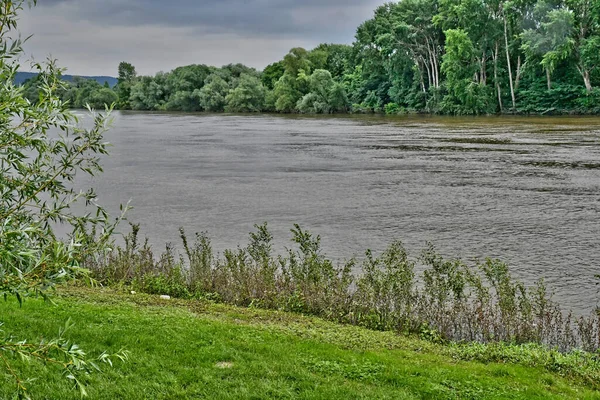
{"type": "Point", "coordinates": [23, 76]}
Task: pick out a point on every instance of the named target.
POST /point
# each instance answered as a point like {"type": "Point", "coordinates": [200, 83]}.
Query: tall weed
{"type": "Point", "coordinates": [448, 301]}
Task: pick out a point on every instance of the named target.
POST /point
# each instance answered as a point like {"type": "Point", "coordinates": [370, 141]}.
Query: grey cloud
{"type": "Point", "coordinates": [254, 17]}
{"type": "Point", "coordinates": [90, 37]}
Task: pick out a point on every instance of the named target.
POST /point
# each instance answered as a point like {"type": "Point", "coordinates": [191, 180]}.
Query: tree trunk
{"type": "Point", "coordinates": [483, 74]}
{"type": "Point", "coordinates": [496, 78]}
{"type": "Point", "coordinates": [433, 80]}
{"type": "Point", "coordinates": [518, 80]}
{"type": "Point", "coordinates": [585, 73]}
{"type": "Point", "coordinates": [432, 61]}
{"type": "Point", "coordinates": [548, 79]}
{"type": "Point", "coordinates": [426, 64]}
{"type": "Point", "coordinates": [421, 76]}
{"type": "Point", "coordinates": [436, 69]}
{"type": "Point", "coordinates": [510, 76]}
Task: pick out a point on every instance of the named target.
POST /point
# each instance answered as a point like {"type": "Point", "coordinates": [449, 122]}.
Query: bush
{"type": "Point", "coordinates": [561, 99]}
{"type": "Point", "coordinates": [392, 109]}
{"type": "Point", "coordinates": [590, 103]}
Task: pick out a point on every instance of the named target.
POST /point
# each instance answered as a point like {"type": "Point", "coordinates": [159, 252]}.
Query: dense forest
{"type": "Point", "coordinates": [430, 56]}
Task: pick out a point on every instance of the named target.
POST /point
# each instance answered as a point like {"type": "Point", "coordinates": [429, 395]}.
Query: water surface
{"type": "Point", "coordinates": [526, 190]}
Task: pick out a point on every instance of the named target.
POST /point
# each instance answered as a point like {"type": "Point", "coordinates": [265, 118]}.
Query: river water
{"type": "Point", "coordinates": [526, 190]}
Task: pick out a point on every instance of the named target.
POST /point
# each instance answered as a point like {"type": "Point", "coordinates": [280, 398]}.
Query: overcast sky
{"type": "Point", "coordinates": [91, 37]}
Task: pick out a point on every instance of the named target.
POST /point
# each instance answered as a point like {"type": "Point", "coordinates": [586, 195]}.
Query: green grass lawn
{"type": "Point", "coordinates": [188, 349]}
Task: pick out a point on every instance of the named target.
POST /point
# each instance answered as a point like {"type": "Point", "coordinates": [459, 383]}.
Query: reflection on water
{"type": "Point", "coordinates": [522, 189]}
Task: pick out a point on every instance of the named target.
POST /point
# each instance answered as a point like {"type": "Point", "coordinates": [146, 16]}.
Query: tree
{"type": "Point", "coordinates": [466, 95]}
{"type": "Point", "coordinates": [338, 98]}
{"type": "Point", "coordinates": [85, 91]}
{"type": "Point", "coordinates": [102, 98]}
{"type": "Point", "coordinates": [212, 95]}
{"type": "Point", "coordinates": [318, 58]}
{"type": "Point", "coordinates": [183, 100]}
{"type": "Point", "coordinates": [233, 72]}
{"type": "Point", "coordinates": [295, 61]}
{"type": "Point", "coordinates": [414, 30]}
{"type": "Point", "coordinates": [551, 40]}
{"type": "Point", "coordinates": [339, 58]}
{"type": "Point", "coordinates": [590, 60]}
{"type": "Point", "coordinates": [248, 96]}
{"type": "Point", "coordinates": [373, 58]}
{"type": "Point", "coordinates": [325, 95]}
{"type": "Point", "coordinates": [127, 75]}
{"type": "Point", "coordinates": [271, 74]}
{"type": "Point", "coordinates": [36, 192]}
{"type": "Point", "coordinates": [150, 93]}
{"type": "Point", "coordinates": [399, 51]}
{"type": "Point", "coordinates": [127, 72]}
{"type": "Point", "coordinates": [181, 85]}
{"type": "Point", "coordinates": [586, 38]}
{"type": "Point", "coordinates": [285, 94]}
{"type": "Point", "coordinates": [481, 20]}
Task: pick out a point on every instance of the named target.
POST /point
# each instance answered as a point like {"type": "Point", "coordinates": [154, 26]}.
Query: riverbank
{"type": "Point", "coordinates": [197, 349]}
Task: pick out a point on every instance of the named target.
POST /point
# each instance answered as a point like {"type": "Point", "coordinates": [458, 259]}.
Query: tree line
{"type": "Point", "coordinates": [430, 56]}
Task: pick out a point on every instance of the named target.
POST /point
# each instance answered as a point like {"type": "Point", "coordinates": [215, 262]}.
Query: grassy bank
{"type": "Point", "coordinates": [195, 349]}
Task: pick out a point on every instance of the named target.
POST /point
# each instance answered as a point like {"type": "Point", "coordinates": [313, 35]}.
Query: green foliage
{"type": "Point", "coordinates": [492, 46]}
{"type": "Point", "coordinates": [552, 40]}
{"type": "Point", "coordinates": [562, 98]}
{"type": "Point", "coordinates": [37, 170]}
{"type": "Point", "coordinates": [35, 174]}
{"type": "Point", "coordinates": [126, 72]}
{"type": "Point", "coordinates": [392, 109]}
{"type": "Point", "coordinates": [338, 98]}
{"type": "Point", "coordinates": [149, 93]}
{"type": "Point", "coordinates": [247, 96]}
{"type": "Point", "coordinates": [325, 95]}
{"type": "Point", "coordinates": [338, 58]}
{"type": "Point", "coordinates": [212, 95]}
{"type": "Point", "coordinates": [127, 75]}
{"type": "Point", "coordinates": [102, 98]}
{"type": "Point", "coordinates": [590, 54]}
{"type": "Point", "coordinates": [297, 60]}
{"type": "Point", "coordinates": [590, 103]}
{"type": "Point", "coordinates": [465, 96]}
{"type": "Point", "coordinates": [285, 93]}
{"type": "Point", "coordinates": [235, 71]}
{"type": "Point", "coordinates": [372, 101]}
{"type": "Point", "coordinates": [271, 74]}
{"type": "Point", "coordinates": [183, 100]}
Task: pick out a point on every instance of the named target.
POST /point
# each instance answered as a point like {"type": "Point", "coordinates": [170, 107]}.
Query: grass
{"type": "Point", "coordinates": [189, 349]}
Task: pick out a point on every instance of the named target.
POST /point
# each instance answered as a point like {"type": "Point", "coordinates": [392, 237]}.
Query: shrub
{"type": "Point", "coordinates": [36, 172]}
{"type": "Point", "coordinates": [392, 109]}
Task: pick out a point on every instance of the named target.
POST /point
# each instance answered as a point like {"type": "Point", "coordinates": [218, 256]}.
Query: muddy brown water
{"type": "Point", "coordinates": [526, 190]}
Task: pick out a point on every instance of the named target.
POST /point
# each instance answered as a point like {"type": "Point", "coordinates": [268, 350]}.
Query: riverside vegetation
{"type": "Point", "coordinates": [448, 302]}
{"type": "Point", "coordinates": [431, 56]}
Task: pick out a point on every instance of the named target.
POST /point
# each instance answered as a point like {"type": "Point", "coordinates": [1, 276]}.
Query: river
{"type": "Point", "coordinates": [526, 190]}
